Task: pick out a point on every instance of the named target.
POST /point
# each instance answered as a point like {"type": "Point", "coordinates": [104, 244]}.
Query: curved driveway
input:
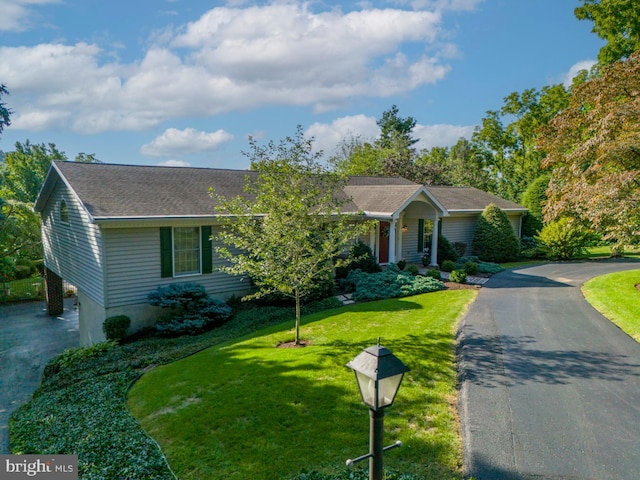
{"type": "Point", "coordinates": [550, 389]}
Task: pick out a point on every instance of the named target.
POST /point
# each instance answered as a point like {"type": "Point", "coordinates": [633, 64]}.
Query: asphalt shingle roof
{"type": "Point", "coordinates": [469, 199]}
{"type": "Point", "coordinates": [110, 191]}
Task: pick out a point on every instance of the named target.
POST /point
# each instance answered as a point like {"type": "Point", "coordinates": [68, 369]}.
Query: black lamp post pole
{"type": "Point", "coordinates": [376, 432]}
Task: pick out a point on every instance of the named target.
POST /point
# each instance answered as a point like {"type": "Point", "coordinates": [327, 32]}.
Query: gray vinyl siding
{"type": "Point", "coordinates": [460, 229]}
{"type": "Point", "coordinates": [73, 250]}
{"type": "Point", "coordinates": [133, 268]}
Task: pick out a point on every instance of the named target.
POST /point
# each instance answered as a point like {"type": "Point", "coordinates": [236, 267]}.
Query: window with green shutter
{"type": "Point", "coordinates": [185, 251]}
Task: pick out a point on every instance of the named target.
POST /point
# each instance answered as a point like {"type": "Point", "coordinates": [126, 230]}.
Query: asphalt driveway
{"type": "Point", "coordinates": [29, 338]}
{"type": "Point", "coordinates": [550, 389]}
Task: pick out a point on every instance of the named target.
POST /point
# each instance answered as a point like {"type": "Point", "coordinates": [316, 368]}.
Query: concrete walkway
{"type": "Point", "coordinates": [550, 389]}
{"type": "Point", "coordinates": [29, 338]}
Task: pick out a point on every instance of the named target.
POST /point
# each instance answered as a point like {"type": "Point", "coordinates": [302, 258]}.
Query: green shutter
{"type": "Point", "coordinates": [166, 252]}
{"type": "Point", "coordinates": [207, 250]}
{"type": "Point", "coordinates": [420, 235]}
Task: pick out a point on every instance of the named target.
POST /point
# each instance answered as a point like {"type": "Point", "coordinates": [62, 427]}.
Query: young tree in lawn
{"type": "Point", "coordinates": [593, 151]}
{"type": "Point", "coordinates": [289, 225]}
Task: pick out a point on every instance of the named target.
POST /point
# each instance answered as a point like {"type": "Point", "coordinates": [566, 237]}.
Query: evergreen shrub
{"type": "Point", "coordinates": [471, 268]}
{"type": "Point", "coordinates": [494, 239]}
{"type": "Point", "coordinates": [360, 257]}
{"type": "Point", "coordinates": [448, 266]}
{"type": "Point", "coordinates": [433, 273]}
{"type": "Point", "coordinates": [446, 250]}
{"type": "Point", "coordinates": [391, 283]}
{"type": "Point", "coordinates": [115, 328]}
{"type": "Point", "coordinates": [194, 310]}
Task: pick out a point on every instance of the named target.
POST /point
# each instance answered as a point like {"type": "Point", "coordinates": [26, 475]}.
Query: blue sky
{"type": "Point", "coordinates": [184, 82]}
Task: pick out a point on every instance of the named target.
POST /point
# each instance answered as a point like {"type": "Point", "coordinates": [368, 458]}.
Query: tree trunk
{"type": "Point", "coordinates": [297, 317]}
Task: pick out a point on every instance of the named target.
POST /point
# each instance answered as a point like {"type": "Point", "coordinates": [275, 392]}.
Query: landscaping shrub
{"type": "Point", "coordinates": [471, 268]}
{"type": "Point", "coordinates": [194, 310]}
{"type": "Point", "coordinates": [446, 250]}
{"type": "Point", "coordinates": [494, 239]}
{"type": "Point", "coordinates": [413, 269]}
{"type": "Point", "coordinates": [360, 257]}
{"type": "Point", "coordinates": [186, 296]}
{"type": "Point", "coordinates": [391, 283]}
{"type": "Point", "coordinates": [483, 267]}
{"type": "Point", "coordinates": [115, 328]}
{"type": "Point", "coordinates": [448, 266]}
{"type": "Point", "coordinates": [529, 247]}
{"type": "Point", "coordinates": [402, 263]}
{"type": "Point", "coordinates": [458, 276]}
{"type": "Point", "coordinates": [562, 240]}
{"type": "Point", "coordinates": [433, 273]}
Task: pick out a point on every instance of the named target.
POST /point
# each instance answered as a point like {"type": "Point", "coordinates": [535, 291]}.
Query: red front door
{"type": "Point", "coordinates": [383, 243]}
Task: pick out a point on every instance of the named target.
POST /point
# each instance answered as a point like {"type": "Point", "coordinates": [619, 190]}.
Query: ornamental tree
{"type": "Point", "coordinates": [287, 227]}
{"type": "Point", "coordinates": [593, 151]}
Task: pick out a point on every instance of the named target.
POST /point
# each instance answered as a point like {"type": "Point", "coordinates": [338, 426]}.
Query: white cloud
{"type": "Point", "coordinates": [229, 59]}
{"type": "Point", "coordinates": [575, 69]}
{"type": "Point", "coordinates": [440, 135]}
{"type": "Point", "coordinates": [180, 142]}
{"type": "Point", "coordinates": [175, 163]}
{"type": "Point", "coordinates": [15, 14]}
{"type": "Point", "coordinates": [329, 136]}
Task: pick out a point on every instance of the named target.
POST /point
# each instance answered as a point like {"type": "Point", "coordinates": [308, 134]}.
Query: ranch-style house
{"type": "Point", "coordinates": [117, 232]}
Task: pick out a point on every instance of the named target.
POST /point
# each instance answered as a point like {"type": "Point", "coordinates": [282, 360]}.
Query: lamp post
{"type": "Point", "coordinates": [378, 373]}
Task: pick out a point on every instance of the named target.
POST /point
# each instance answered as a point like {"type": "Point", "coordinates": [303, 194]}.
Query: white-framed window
{"type": "Point", "coordinates": [186, 251]}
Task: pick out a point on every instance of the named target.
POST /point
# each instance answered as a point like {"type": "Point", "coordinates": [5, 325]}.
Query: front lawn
{"type": "Point", "coordinates": [616, 297]}
{"type": "Point", "coordinates": [248, 410]}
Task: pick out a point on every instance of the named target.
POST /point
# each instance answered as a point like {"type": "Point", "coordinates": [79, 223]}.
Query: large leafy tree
{"type": "Point", "coordinates": [288, 226]}
{"type": "Point", "coordinates": [615, 21]}
{"type": "Point", "coordinates": [24, 169]}
{"type": "Point", "coordinates": [593, 151]}
{"type": "Point", "coordinates": [5, 112]}
{"type": "Point", "coordinates": [510, 151]}
{"type": "Point", "coordinates": [21, 176]}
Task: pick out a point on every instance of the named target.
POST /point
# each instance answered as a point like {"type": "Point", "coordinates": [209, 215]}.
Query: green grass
{"type": "Point", "coordinates": [247, 410]}
{"type": "Point", "coordinates": [616, 297]}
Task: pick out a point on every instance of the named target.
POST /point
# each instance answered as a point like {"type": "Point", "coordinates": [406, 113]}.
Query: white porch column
{"type": "Point", "coordinates": [434, 243]}
{"type": "Point", "coordinates": [393, 227]}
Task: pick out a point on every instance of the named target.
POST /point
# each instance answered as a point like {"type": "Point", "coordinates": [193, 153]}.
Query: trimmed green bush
{"type": "Point", "coordinates": [483, 267]}
{"type": "Point", "coordinates": [433, 273]}
{"type": "Point", "coordinates": [494, 239]}
{"type": "Point", "coordinates": [115, 328]}
{"type": "Point", "coordinates": [448, 266]}
{"type": "Point", "coordinates": [413, 269]}
{"type": "Point", "coordinates": [562, 240]}
{"type": "Point", "coordinates": [458, 276]}
{"type": "Point", "coordinates": [471, 268]}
